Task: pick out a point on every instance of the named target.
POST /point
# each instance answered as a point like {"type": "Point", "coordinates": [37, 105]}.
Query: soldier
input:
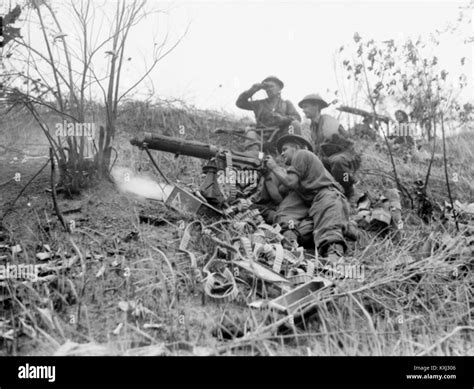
{"type": "Point", "coordinates": [331, 143]}
{"type": "Point", "coordinates": [313, 192]}
{"type": "Point", "coordinates": [272, 112]}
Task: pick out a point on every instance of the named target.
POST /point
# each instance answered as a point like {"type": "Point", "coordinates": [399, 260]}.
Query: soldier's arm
{"type": "Point", "coordinates": [283, 190]}
{"type": "Point", "coordinates": [292, 112]}
{"type": "Point", "coordinates": [290, 115]}
{"type": "Point", "coordinates": [273, 191]}
{"type": "Point", "coordinates": [243, 101]}
{"type": "Point", "coordinates": [289, 180]}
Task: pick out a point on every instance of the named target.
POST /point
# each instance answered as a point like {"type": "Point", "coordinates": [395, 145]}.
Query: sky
{"type": "Point", "coordinates": [230, 45]}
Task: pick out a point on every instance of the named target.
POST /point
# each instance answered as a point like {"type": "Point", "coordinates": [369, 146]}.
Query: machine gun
{"type": "Point", "coordinates": [243, 169]}
{"type": "Point", "coordinates": [363, 113]}
{"type": "Point", "coordinates": [201, 150]}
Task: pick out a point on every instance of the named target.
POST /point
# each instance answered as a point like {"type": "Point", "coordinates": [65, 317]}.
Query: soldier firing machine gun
{"type": "Point", "coordinates": [227, 164]}
{"type": "Point", "coordinates": [296, 288]}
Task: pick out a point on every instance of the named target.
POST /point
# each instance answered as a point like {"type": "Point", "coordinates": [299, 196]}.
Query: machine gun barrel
{"type": "Point", "coordinates": [196, 149]}
{"type": "Point", "coordinates": [361, 112]}
{"type": "Point", "coordinates": [176, 146]}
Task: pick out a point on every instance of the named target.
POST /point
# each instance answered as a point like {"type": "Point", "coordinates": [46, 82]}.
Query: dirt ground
{"type": "Point", "coordinates": [107, 234]}
{"type": "Point", "coordinates": [117, 293]}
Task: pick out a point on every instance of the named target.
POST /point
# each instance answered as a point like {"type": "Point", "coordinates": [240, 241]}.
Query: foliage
{"type": "Point", "coordinates": [63, 72]}
{"type": "Point", "coordinates": [410, 73]}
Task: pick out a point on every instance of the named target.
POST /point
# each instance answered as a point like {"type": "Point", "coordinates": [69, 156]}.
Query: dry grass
{"type": "Point", "coordinates": [129, 291]}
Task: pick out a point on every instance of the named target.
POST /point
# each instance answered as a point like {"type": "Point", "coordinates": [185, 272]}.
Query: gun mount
{"type": "Point", "coordinates": [232, 163]}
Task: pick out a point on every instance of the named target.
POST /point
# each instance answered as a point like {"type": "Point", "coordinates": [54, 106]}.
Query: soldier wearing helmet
{"type": "Point", "coordinates": [313, 194]}
{"type": "Point", "coordinates": [272, 112]}
{"type": "Point", "coordinates": [331, 143]}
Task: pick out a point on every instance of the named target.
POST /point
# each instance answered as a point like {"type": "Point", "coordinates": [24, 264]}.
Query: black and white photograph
{"type": "Point", "coordinates": [237, 178]}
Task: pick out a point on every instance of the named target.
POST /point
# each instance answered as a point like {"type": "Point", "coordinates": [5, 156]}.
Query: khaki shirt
{"type": "Point", "coordinates": [312, 175]}
{"type": "Point", "coordinates": [269, 112]}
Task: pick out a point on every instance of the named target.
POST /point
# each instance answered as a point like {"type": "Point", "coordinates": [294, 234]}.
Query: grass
{"type": "Point", "coordinates": [121, 287]}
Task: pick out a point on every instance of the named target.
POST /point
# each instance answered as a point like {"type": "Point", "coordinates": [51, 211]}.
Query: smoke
{"type": "Point", "coordinates": [128, 182]}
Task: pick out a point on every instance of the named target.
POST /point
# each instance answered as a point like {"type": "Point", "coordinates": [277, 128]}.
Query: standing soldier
{"type": "Point", "coordinates": [331, 143]}
{"type": "Point", "coordinates": [270, 113]}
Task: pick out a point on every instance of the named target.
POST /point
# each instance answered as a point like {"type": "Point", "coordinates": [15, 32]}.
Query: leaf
{"type": "Point", "coordinates": [151, 326]}
{"type": "Point", "coordinates": [101, 271]}
{"type": "Point", "coordinates": [27, 329]}
{"type": "Point", "coordinates": [43, 256]}
{"type": "Point", "coordinates": [16, 249]}
{"type": "Point", "coordinates": [124, 306]}
{"type": "Point", "coordinates": [47, 317]}
{"type": "Point", "coordinates": [117, 329]}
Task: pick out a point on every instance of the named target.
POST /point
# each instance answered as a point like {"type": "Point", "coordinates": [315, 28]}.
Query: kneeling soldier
{"type": "Point", "coordinates": [313, 191]}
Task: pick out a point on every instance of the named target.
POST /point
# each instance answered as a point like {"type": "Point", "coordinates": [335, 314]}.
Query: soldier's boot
{"type": "Point", "coordinates": [333, 257]}
{"type": "Point", "coordinates": [334, 253]}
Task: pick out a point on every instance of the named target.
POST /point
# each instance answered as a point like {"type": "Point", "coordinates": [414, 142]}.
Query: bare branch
{"type": "Point", "coordinates": [155, 62]}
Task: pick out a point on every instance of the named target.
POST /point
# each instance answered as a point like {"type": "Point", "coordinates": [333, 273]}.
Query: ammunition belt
{"type": "Point", "coordinates": [246, 245]}
{"type": "Point", "coordinates": [300, 279]}
{"type": "Point", "coordinates": [271, 251]}
{"type": "Point", "coordinates": [271, 232]}
{"type": "Point", "coordinates": [250, 215]}
{"type": "Point", "coordinates": [217, 241]}
{"type": "Point", "coordinates": [219, 282]}
{"type": "Point", "coordinates": [212, 282]}
{"type": "Point", "coordinates": [279, 256]}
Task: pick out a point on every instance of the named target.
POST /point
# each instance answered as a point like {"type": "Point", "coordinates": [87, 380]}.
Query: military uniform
{"type": "Point", "coordinates": [331, 143]}
{"type": "Point", "coordinates": [280, 115]}
{"type": "Point", "coordinates": [318, 198]}
{"type": "Point", "coordinates": [272, 112]}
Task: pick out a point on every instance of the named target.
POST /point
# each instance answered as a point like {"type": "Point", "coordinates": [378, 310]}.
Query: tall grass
{"type": "Point", "coordinates": [121, 287]}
